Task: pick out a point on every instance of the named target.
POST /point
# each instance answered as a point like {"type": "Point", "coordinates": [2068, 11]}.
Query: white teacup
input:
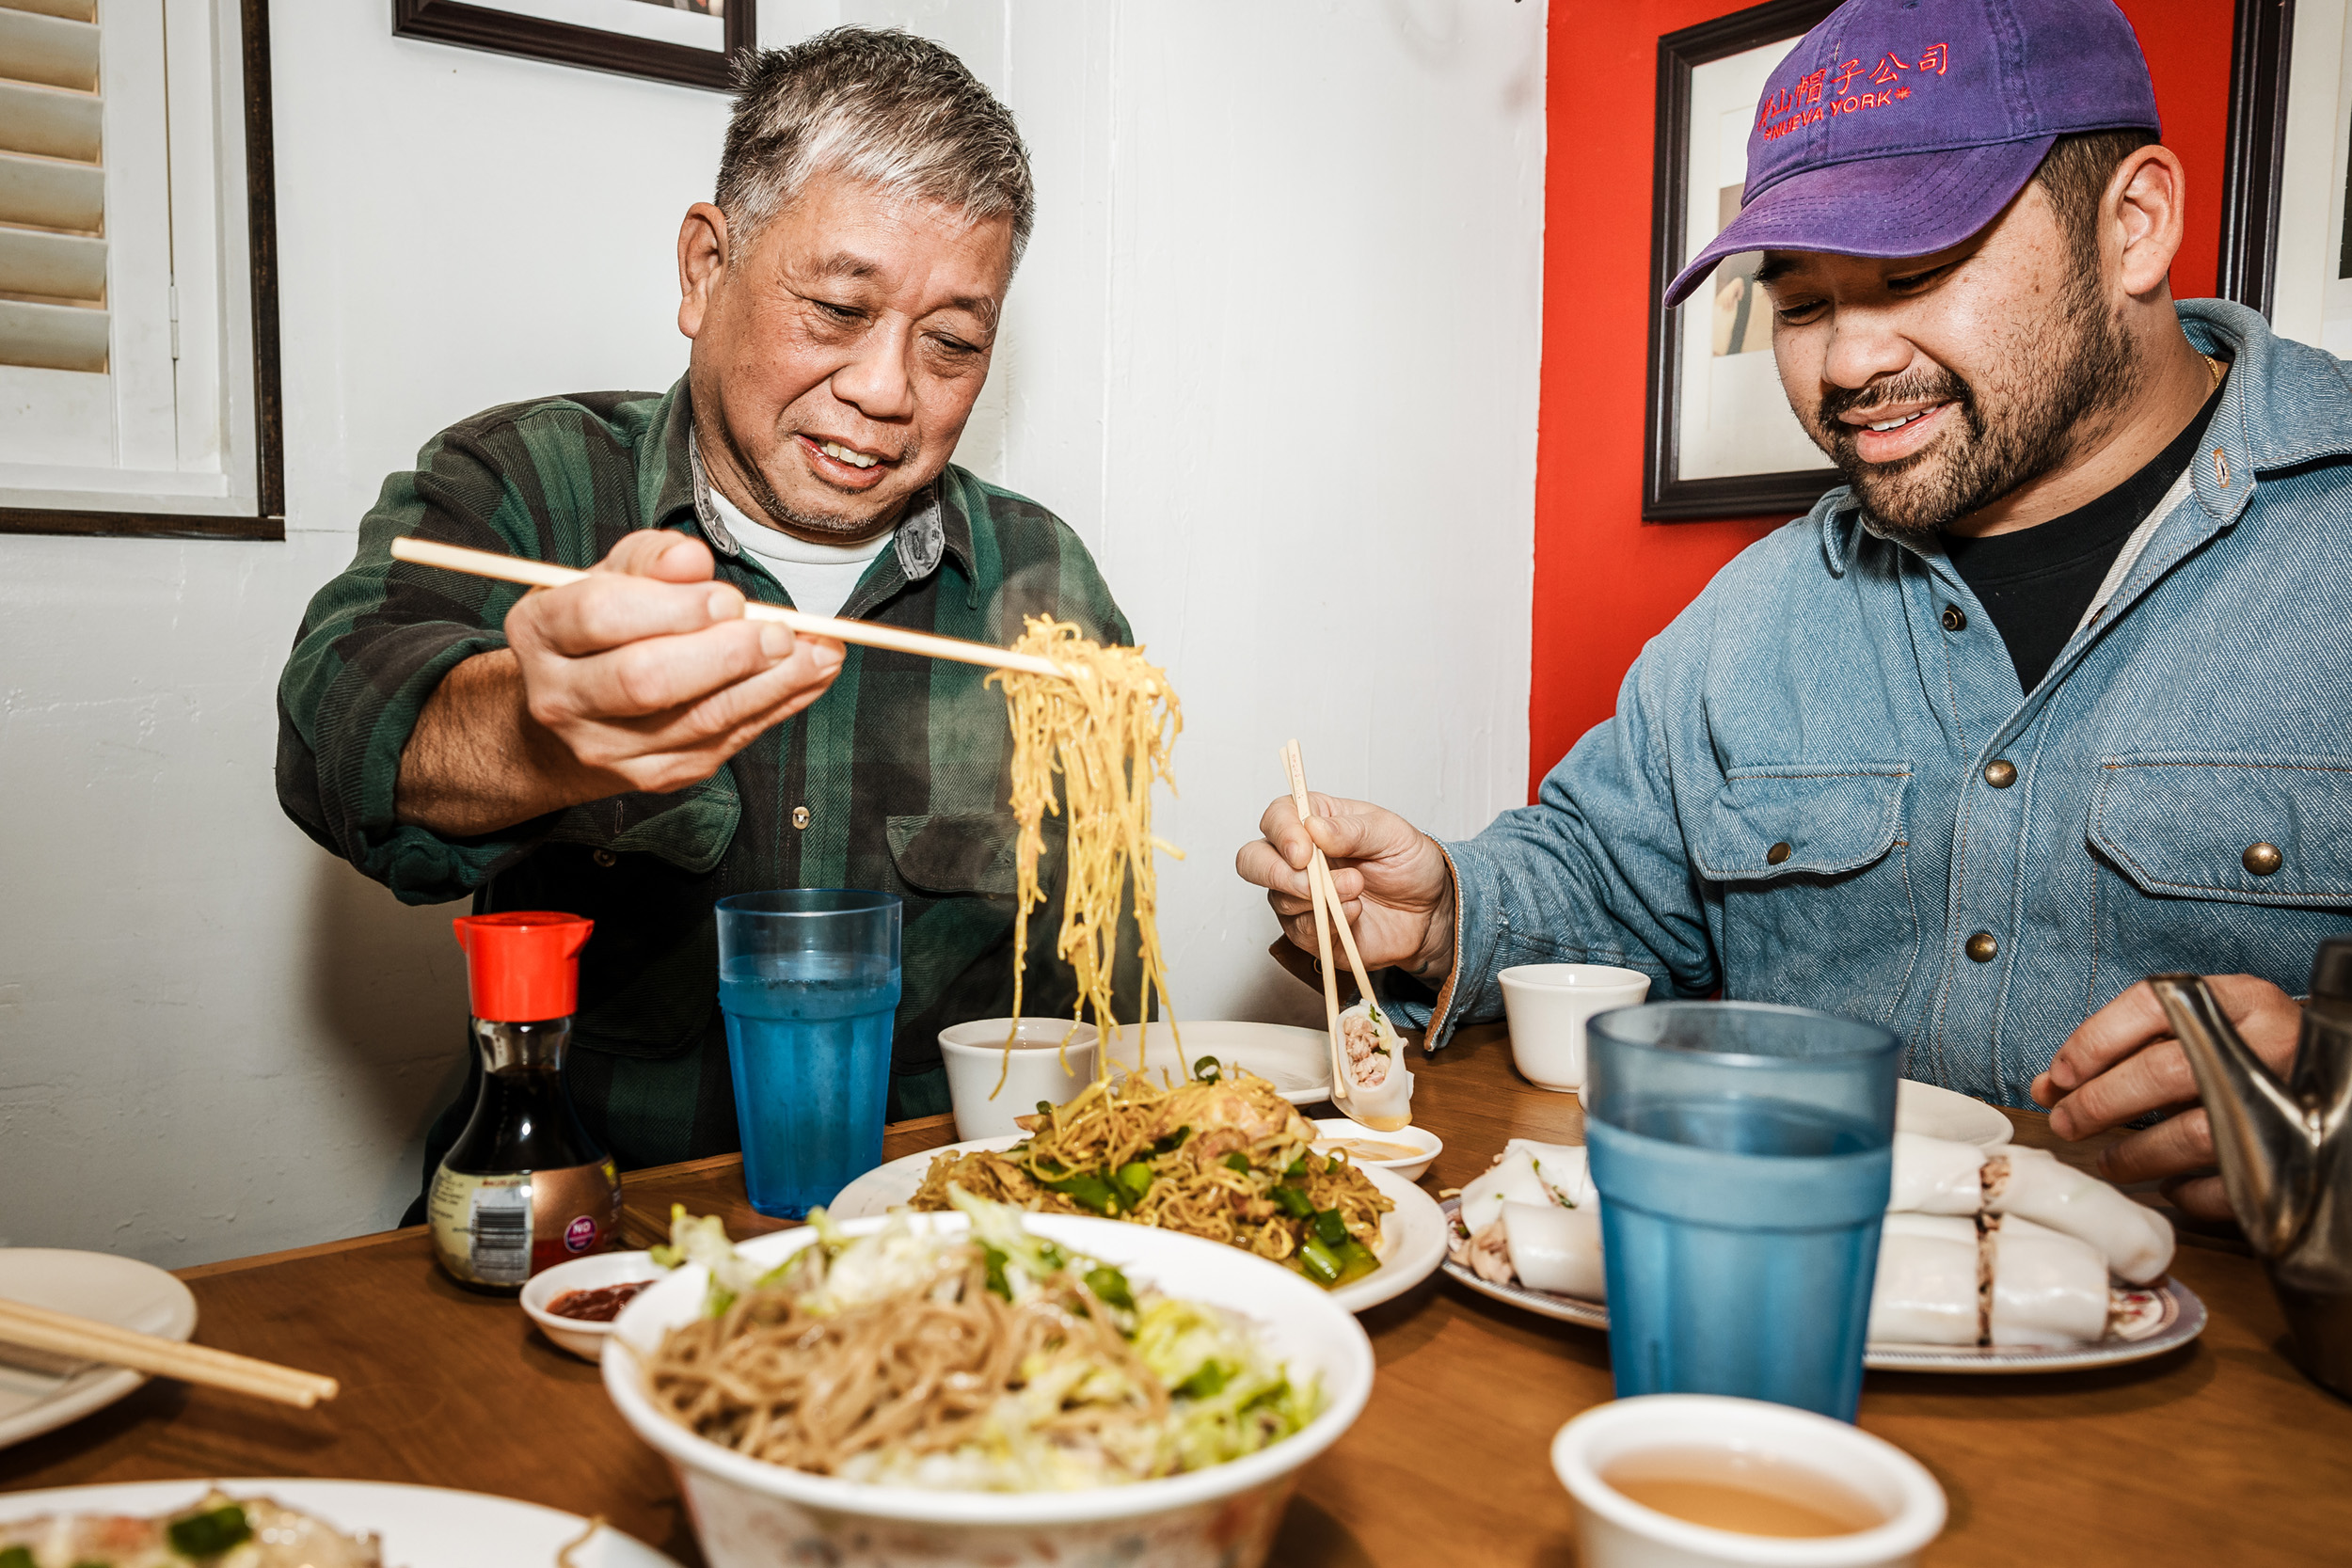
{"type": "Point", "coordinates": [975, 1054]}
{"type": "Point", "coordinates": [1547, 1004]}
{"type": "Point", "coordinates": [1751, 1440]}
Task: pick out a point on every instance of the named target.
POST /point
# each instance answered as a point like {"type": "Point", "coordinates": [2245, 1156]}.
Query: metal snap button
{"type": "Point", "coordinates": [605, 857]}
{"type": "Point", "coordinates": [1776, 854]}
{"type": "Point", "coordinates": [1953, 619]}
{"type": "Point", "coordinates": [2000, 775]}
{"type": "Point", "coordinates": [2262, 859]}
{"type": "Point", "coordinates": [800, 817]}
{"type": "Point", "coordinates": [1982, 948]}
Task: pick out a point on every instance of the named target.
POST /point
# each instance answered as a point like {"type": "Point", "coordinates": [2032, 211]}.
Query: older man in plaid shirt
{"type": "Point", "coordinates": [630, 748]}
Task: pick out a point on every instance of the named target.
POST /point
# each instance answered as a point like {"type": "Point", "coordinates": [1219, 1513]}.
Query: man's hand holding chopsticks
{"type": "Point", "coordinates": [1394, 886]}
{"type": "Point", "coordinates": [642, 676]}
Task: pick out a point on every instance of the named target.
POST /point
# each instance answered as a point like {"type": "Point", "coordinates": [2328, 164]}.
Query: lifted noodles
{"type": "Point", "coordinates": [1106, 730]}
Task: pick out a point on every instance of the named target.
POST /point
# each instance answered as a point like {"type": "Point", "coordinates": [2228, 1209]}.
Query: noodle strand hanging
{"type": "Point", "coordinates": [1106, 731]}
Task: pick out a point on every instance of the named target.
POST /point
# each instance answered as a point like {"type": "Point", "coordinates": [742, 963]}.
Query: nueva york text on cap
{"type": "Point", "coordinates": [1900, 127]}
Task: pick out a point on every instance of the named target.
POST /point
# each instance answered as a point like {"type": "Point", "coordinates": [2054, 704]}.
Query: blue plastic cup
{"type": "Point", "coordinates": [1743, 1153]}
{"type": "Point", "coordinates": [808, 978]}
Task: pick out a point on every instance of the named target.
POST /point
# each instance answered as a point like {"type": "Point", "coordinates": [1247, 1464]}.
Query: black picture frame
{"type": "Point", "coordinates": [589, 48]}
{"type": "Point", "coordinates": [268, 519]}
{"type": "Point", "coordinates": [2253, 170]}
{"type": "Point", "coordinates": [1666, 496]}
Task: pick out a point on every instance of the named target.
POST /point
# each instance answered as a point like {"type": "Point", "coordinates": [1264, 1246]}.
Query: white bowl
{"type": "Point", "coordinates": [1296, 1061]}
{"type": "Point", "coordinates": [1547, 1006]}
{"type": "Point", "coordinates": [975, 1054]}
{"type": "Point", "coordinates": [1614, 1532]}
{"type": "Point", "coordinates": [751, 1515]}
{"type": "Point", "coordinates": [591, 1273]}
{"type": "Point", "coordinates": [1330, 1130]}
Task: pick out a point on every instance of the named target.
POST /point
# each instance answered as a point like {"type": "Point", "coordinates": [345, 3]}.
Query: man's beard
{"type": "Point", "coordinates": [2049, 400]}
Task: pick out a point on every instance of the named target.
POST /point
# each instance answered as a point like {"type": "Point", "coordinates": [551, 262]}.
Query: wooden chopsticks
{"type": "Point", "coordinates": [1326, 899]}
{"type": "Point", "coordinates": [871, 634]}
{"type": "Point", "coordinates": [86, 1340]}
{"type": "Point", "coordinates": [1317, 874]}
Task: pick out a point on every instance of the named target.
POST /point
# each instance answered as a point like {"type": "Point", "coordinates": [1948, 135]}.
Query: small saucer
{"type": "Point", "coordinates": [583, 1339]}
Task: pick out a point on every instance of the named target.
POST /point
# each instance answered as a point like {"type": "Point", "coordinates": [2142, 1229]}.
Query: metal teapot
{"type": "Point", "coordinates": [2286, 1151]}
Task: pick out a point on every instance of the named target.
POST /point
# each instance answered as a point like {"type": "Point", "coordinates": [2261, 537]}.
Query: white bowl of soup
{"type": "Point", "coordinates": [1704, 1481]}
{"type": "Point", "coordinates": [751, 1514]}
{"type": "Point", "coordinates": [1406, 1151]}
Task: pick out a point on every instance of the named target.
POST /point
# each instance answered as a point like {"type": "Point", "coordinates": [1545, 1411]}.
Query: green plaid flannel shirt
{"type": "Point", "coordinates": [902, 767]}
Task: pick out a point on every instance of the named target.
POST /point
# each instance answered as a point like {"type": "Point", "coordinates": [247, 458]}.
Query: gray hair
{"type": "Point", "coordinates": [874, 104]}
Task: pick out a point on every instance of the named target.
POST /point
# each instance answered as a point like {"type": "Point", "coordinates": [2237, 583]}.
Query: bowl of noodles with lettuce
{"type": "Point", "coordinates": [983, 1384]}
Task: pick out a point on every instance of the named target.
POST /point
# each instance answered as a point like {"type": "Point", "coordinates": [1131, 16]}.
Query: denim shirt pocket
{"type": "Point", "coordinates": [2173, 833]}
{"type": "Point", "coordinates": [1806, 866]}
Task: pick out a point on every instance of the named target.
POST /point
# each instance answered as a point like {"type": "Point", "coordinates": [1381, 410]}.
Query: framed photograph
{"type": "Point", "coordinates": [2290, 129]}
{"type": "Point", "coordinates": [1722, 442]}
{"type": "Point", "coordinates": [687, 41]}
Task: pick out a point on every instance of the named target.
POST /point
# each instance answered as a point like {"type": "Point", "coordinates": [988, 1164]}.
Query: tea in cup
{"type": "Point", "coordinates": [1052, 1059]}
{"type": "Point", "coordinates": [1700, 1480]}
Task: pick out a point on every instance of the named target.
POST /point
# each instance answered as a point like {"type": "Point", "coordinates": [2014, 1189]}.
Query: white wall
{"type": "Point", "coordinates": [1273, 353]}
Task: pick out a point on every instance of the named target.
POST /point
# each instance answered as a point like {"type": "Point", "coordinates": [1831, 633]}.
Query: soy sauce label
{"type": "Point", "coordinates": [499, 1230]}
{"type": "Point", "coordinates": [482, 1227]}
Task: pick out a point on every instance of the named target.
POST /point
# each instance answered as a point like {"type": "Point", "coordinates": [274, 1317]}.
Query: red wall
{"type": "Point", "coordinates": [1605, 582]}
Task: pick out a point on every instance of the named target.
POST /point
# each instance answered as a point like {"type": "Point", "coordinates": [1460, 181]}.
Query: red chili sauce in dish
{"type": "Point", "coordinates": [599, 1306]}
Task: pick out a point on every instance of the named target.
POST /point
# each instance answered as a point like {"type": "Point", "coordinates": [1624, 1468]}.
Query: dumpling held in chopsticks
{"type": "Point", "coordinates": [1379, 1085]}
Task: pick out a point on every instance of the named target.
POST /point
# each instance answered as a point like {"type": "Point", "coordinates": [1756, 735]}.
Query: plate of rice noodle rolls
{"type": "Point", "coordinates": [1991, 1259]}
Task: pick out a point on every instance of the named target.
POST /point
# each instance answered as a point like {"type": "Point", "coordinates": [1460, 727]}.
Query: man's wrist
{"type": "Point", "coordinates": [1436, 959]}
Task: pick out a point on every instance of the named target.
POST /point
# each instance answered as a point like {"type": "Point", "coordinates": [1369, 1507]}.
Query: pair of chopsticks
{"type": "Point", "coordinates": [1325, 898]}
{"type": "Point", "coordinates": [87, 1340]}
{"type": "Point", "coordinates": [543, 574]}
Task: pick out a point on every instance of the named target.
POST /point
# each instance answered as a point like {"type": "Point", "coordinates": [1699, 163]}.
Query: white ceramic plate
{"type": "Point", "coordinates": [423, 1526]}
{"type": "Point", "coordinates": [1412, 1235]}
{"type": "Point", "coordinates": [37, 1393]}
{"type": "Point", "coordinates": [2166, 1314]}
{"type": "Point", "coordinates": [1297, 1062]}
{"type": "Point", "coordinates": [1946, 1114]}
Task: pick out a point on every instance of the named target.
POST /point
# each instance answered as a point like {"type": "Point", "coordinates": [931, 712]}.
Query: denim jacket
{"type": "Point", "coordinates": [1795, 801]}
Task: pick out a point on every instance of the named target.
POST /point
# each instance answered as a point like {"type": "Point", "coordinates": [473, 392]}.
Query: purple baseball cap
{"type": "Point", "coordinates": [1899, 127]}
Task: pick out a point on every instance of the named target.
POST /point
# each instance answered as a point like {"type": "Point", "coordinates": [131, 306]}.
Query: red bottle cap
{"type": "Point", "coordinates": [523, 965]}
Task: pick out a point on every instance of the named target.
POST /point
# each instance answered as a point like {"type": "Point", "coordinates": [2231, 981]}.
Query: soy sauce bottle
{"type": "Point", "coordinates": [524, 1187]}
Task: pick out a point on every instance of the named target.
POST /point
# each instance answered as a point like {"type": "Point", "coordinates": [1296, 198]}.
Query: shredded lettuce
{"type": "Point", "coordinates": [1232, 1397]}
{"type": "Point", "coordinates": [703, 1238]}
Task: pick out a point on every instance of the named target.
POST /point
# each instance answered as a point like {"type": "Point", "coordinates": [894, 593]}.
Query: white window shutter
{"type": "Point", "coordinates": [53, 247]}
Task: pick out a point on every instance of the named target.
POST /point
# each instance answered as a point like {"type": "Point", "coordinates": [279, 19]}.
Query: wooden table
{"type": "Point", "coordinates": [2218, 1452]}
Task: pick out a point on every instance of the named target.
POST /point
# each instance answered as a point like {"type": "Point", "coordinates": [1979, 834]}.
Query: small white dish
{"type": "Point", "coordinates": [1941, 1113]}
{"type": "Point", "coordinates": [419, 1523]}
{"type": "Point", "coordinates": [39, 1393]}
{"type": "Point", "coordinates": [1044, 1067]}
{"type": "Point", "coordinates": [1412, 1235]}
{"type": "Point", "coordinates": [583, 1339]}
{"type": "Point", "coordinates": [1334, 1132]}
{"type": "Point", "coordinates": [1548, 1006]}
{"type": "Point", "coordinates": [1614, 1532]}
{"type": "Point", "coordinates": [1297, 1062]}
